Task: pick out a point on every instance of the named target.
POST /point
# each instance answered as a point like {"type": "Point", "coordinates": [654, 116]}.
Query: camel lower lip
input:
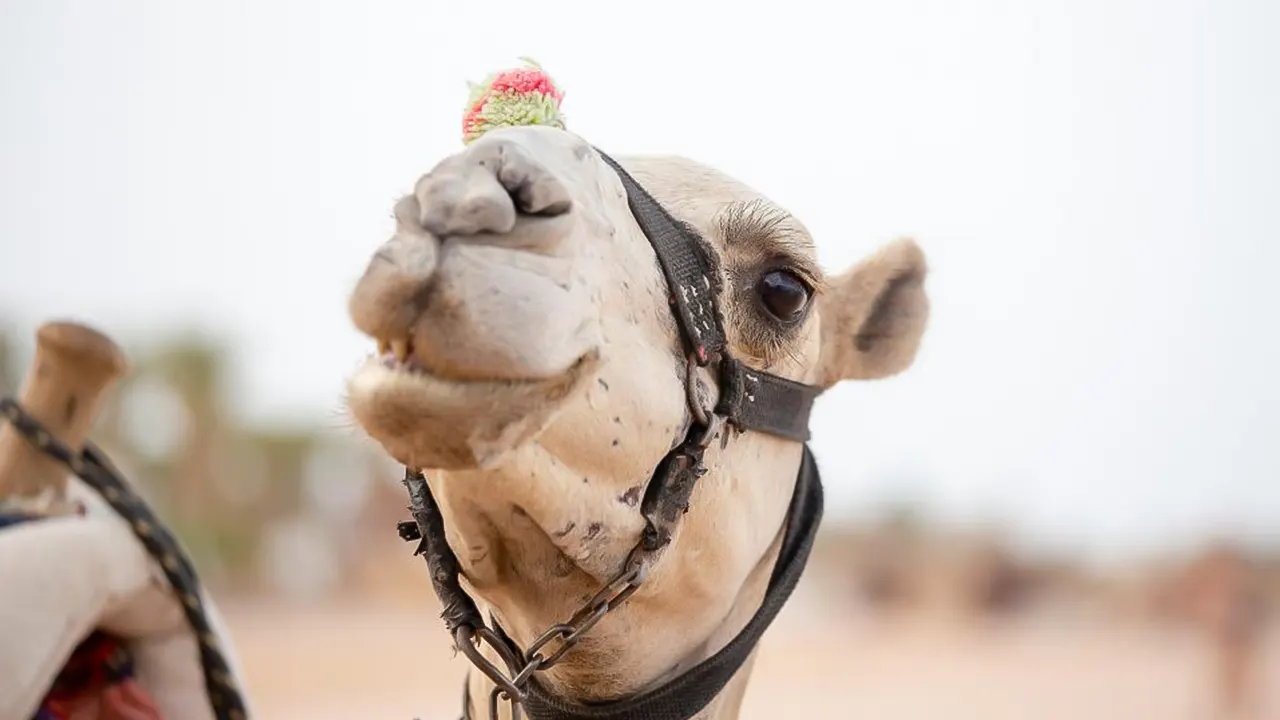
{"type": "Point", "coordinates": [436, 422]}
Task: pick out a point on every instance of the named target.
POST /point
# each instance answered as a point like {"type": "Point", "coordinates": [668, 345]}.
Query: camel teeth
{"type": "Point", "coordinates": [400, 348]}
{"type": "Point", "coordinates": [383, 347]}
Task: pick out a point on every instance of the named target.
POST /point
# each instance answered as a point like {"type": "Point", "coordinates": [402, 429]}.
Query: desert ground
{"type": "Point", "coordinates": [389, 659]}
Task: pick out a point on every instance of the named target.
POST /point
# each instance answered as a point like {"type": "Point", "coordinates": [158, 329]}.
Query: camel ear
{"type": "Point", "coordinates": [873, 315]}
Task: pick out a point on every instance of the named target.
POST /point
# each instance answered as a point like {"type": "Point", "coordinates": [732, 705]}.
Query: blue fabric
{"type": "Point", "coordinates": [13, 518]}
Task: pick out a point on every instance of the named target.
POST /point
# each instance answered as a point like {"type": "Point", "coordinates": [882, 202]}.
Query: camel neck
{"type": "Point", "coordinates": [696, 692]}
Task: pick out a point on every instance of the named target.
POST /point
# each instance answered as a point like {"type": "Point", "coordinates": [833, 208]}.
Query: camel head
{"type": "Point", "coordinates": [529, 360]}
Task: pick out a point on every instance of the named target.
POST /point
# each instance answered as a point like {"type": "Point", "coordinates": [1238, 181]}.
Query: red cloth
{"type": "Point", "coordinates": [97, 683]}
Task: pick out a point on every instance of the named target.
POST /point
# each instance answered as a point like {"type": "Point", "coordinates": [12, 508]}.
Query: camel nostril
{"type": "Point", "coordinates": [530, 204]}
{"type": "Point", "coordinates": [536, 193]}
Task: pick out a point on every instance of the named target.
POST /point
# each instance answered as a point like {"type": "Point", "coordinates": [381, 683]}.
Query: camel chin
{"type": "Point", "coordinates": [428, 421]}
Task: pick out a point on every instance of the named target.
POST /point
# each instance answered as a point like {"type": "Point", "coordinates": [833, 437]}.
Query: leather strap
{"type": "Point", "coordinates": [691, 275]}
{"type": "Point", "coordinates": [754, 400]}
{"type": "Point", "coordinates": [428, 529]}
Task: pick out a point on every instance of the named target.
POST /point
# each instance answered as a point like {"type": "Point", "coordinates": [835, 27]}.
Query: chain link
{"type": "Point", "coordinates": [543, 654]}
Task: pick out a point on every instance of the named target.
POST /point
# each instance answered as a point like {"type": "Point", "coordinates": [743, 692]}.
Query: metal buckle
{"type": "Point", "coordinates": [691, 391]}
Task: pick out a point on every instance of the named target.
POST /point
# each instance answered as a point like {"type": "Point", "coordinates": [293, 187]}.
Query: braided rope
{"type": "Point", "coordinates": [93, 467]}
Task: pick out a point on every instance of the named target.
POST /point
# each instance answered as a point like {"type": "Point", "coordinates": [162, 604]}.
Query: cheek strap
{"type": "Point", "coordinates": [749, 399]}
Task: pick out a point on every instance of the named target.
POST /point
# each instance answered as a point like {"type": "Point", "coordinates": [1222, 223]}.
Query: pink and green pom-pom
{"type": "Point", "coordinates": [521, 96]}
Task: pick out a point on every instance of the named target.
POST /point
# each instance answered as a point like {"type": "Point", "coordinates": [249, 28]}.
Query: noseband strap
{"type": "Point", "coordinates": [771, 404]}
{"type": "Point", "coordinates": [749, 400]}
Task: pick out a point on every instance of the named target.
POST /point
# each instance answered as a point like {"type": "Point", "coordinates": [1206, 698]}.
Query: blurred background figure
{"type": "Point", "coordinates": [1068, 507]}
{"type": "Point", "coordinates": [1222, 592]}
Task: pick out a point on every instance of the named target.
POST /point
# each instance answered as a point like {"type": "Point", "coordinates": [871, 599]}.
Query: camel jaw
{"type": "Point", "coordinates": [427, 421]}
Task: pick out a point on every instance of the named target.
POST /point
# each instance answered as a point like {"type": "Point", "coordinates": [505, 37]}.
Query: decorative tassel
{"type": "Point", "coordinates": [510, 98]}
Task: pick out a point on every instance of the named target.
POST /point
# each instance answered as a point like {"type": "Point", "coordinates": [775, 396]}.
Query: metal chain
{"type": "Point", "coordinates": [549, 648]}
{"type": "Point", "coordinates": [97, 472]}
{"type": "Point", "coordinates": [511, 685]}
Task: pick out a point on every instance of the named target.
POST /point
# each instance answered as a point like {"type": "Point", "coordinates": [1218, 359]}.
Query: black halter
{"type": "Point", "coordinates": [749, 400]}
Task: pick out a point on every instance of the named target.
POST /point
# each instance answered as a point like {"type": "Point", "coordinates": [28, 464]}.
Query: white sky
{"type": "Point", "coordinates": [1097, 185]}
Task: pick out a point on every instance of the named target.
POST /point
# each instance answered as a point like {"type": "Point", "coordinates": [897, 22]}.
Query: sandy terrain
{"type": "Point", "coordinates": [385, 661]}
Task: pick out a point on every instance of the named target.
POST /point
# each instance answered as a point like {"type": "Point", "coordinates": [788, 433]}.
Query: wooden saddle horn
{"type": "Point", "coordinates": [73, 367]}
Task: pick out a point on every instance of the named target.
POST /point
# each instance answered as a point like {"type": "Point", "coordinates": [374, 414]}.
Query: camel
{"type": "Point", "coordinates": [529, 361]}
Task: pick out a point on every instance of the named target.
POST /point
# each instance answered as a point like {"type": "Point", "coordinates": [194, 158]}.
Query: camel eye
{"type": "Point", "coordinates": [783, 294]}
